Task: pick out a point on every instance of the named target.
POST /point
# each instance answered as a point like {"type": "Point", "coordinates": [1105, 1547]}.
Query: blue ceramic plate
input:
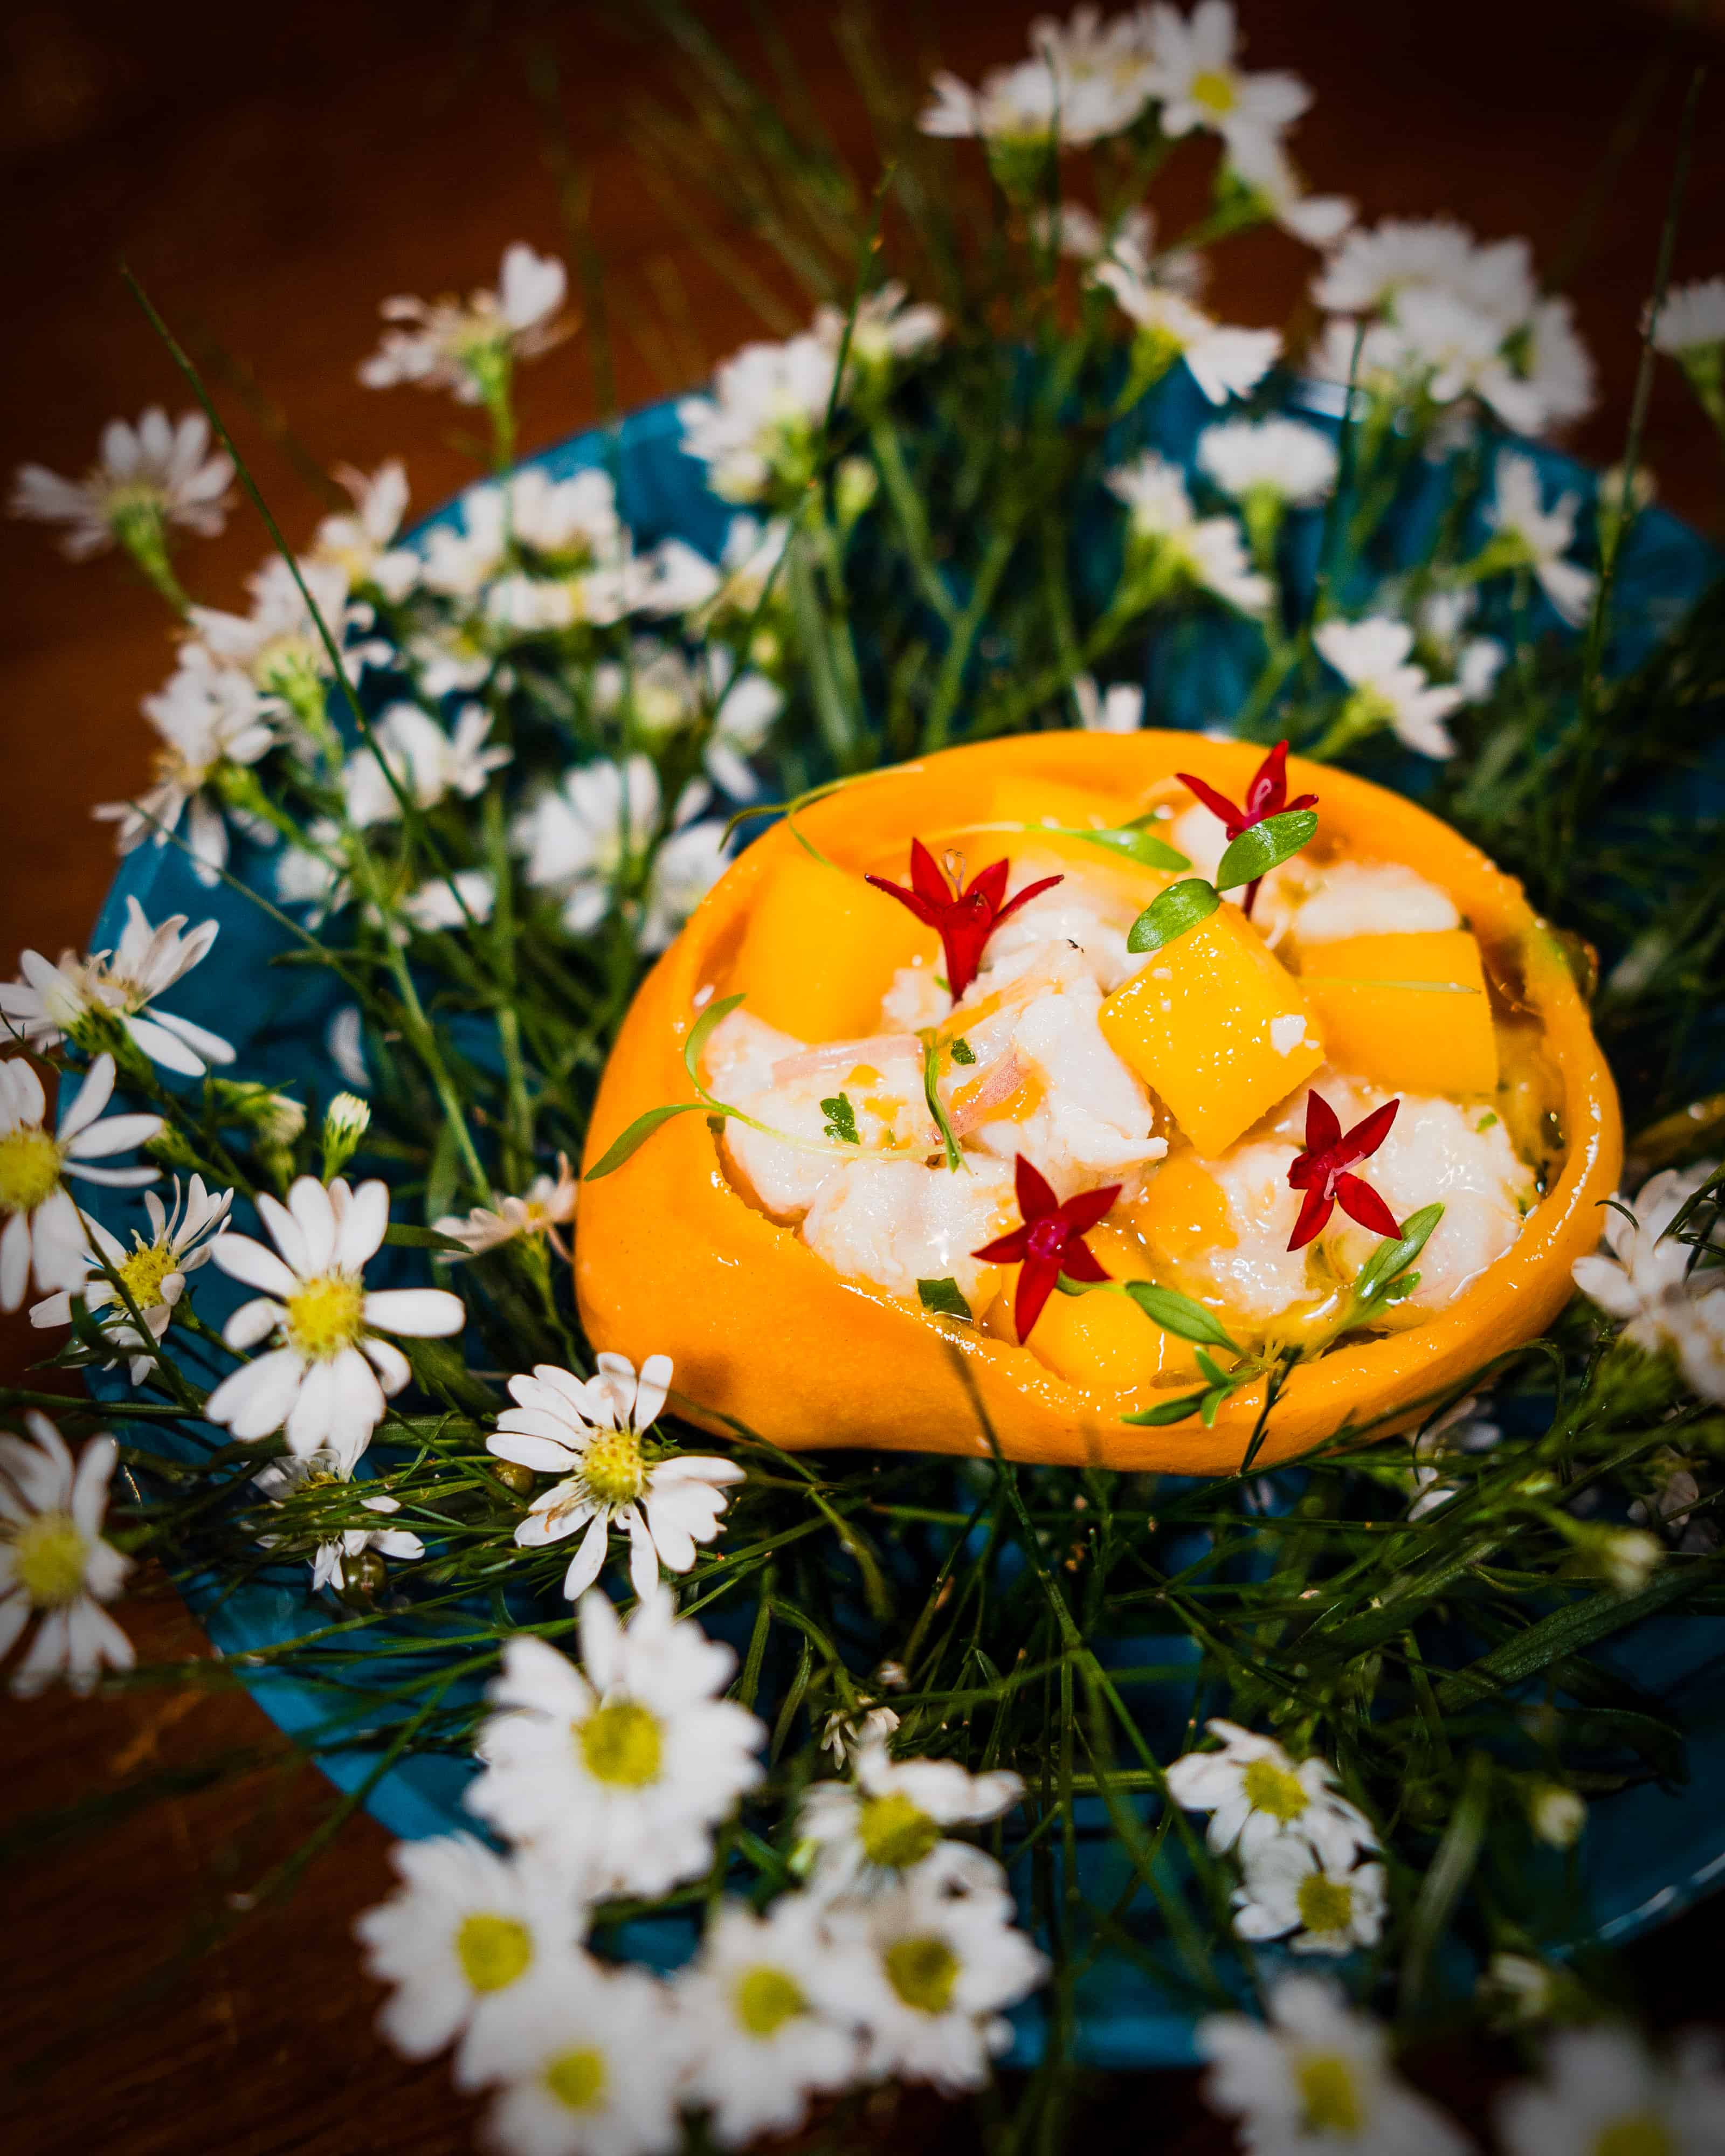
{"type": "Point", "coordinates": [1647, 1854]}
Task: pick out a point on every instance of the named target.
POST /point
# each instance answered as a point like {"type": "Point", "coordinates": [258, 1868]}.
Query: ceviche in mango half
{"type": "Point", "coordinates": [1150, 1101]}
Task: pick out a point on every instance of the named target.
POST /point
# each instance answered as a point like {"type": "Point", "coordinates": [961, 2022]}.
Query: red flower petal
{"type": "Point", "coordinates": [926, 875]}
{"type": "Point", "coordinates": [1269, 787]}
{"type": "Point", "coordinates": [1323, 1127]}
{"type": "Point", "coordinates": [1079, 1262]}
{"type": "Point", "coordinates": [1361, 1202]}
{"type": "Point", "coordinates": [1364, 1140]}
{"type": "Point", "coordinates": [1030, 891]}
{"type": "Point", "coordinates": [1036, 1283]}
{"type": "Point", "coordinates": [1036, 1198]}
{"type": "Point", "coordinates": [1314, 1212]}
{"type": "Point", "coordinates": [1218, 804]}
{"type": "Point", "coordinates": [1007, 1249]}
{"type": "Point", "coordinates": [1081, 1213]}
{"type": "Point", "coordinates": [929, 915]}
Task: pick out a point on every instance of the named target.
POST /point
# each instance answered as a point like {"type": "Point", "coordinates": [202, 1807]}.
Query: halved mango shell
{"type": "Point", "coordinates": [764, 1335]}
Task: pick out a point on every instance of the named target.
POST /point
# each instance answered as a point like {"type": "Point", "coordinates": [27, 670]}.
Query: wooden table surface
{"type": "Point", "coordinates": [270, 173]}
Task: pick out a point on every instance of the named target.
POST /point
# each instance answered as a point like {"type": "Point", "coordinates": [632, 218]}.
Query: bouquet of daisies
{"type": "Point", "coordinates": [790, 1773]}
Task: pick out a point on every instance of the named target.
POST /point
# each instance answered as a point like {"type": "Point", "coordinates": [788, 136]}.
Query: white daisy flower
{"type": "Point", "coordinates": [590, 1432]}
{"type": "Point", "coordinates": [1223, 361]}
{"type": "Point", "coordinates": [1294, 465]}
{"type": "Point", "coordinates": [53, 1562]}
{"type": "Point", "coordinates": [586, 2063]}
{"type": "Point", "coordinates": [361, 540]}
{"type": "Point", "coordinates": [846, 1735]}
{"type": "Point", "coordinates": [759, 2045]}
{"type": "Point", "coordinates": [1648, 1283]}
{"type": "Point", "coordinates": [1264, 166]}
{"type": "Point", "coordinates": [1555, 365]}
{"type": "Point", "coordinates": [1104, 73]}
{"type": "Point", "coordinates": [1539, 537]}
{"type": "Point", "coordinates": [932, 1970]}
{"type": "Point", "coordinates": [1603, 2092]}
{"type": "Point", "coordinates": [211, 729]}
{"type": "Point", "coordinates": [315, 874]}
{"type": "Point", "coordinates": [676, 579]}
{"type": "Point", "coordinates": [1317, 2081]}
{"type": "Point", "coordinates": [1476, 661]}
{"type": "Point", "coordinates": [467, 348]}
{"type": "Point", "coordinates": [748, 562]}
{"type": "Point", "coordinates": [146, 478]}
{"type": "Point", "coordinates": [1177, 545]}
{"type": "Point", "coordinates": [756, 433]}
{"type": "Point", "coordinates": [1257, 1796]}
{"type": "Point", "coordinates": [684, 870]}
{"type": "Point", "coordinates": [548, 1204]}
{"type": "Point", "coordinates": [276, 646]}
{"type": "Point", "coordinates": [451, 657]}
{"type": "Point", "coordinates": [623, 1765]}
{"type": "Point", "coordinates": [1330, 1908]}
{"type": "Point", "coordinates": [284, 1479]}
{"type": "Point", "coordinates": [1372, 657]}
{"type": "Point", "coordinates": [583, 835]}
{"type": "Point", "coordinates": [460, 1939]}
{"type": "Point", "coordinates": [153, 1272]}
{"type": "Point", "coordinates": [325, 1381]}
{"type": "Point", "coordinates": [1118, 709]}
{"type": "Point", "coordinates": [889, 1821]}
{"type": "Point", "coordinates": [430, 763]}
{"type": "Point", "coordinates": [44, 1231]}
{"type": "Point", "coordinates": [1018, 109]}
{"type": "Point", "coordinates": [1460, 1427]}
{"type": "Point", "coordinates": [84, 998]}
{"type": "Point", "coordinates": [1376, 264]}
{"type": "Point", "coordinates": [887, 328]}
{"type": "Point", "coordinates": [1692, 320]}
{"type": "Point", "coordinates": [1193, 73]}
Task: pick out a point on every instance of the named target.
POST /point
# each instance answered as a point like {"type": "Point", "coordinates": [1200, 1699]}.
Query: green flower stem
{"type": "Point", "coordinates": [140, 528]}
{"type": "Point", "coordinates": [949, 684]}
{"type": "Point", "coordinates": [912, 518]}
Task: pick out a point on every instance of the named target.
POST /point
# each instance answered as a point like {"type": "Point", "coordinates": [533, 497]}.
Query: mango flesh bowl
{"type": "Point", "coordinates": [671, 1259]}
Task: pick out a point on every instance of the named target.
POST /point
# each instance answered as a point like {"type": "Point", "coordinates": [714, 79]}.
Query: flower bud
{"type": "Point", "coordinates": [1556, 1815]}
{"type": "Point", "coordinates": [346, 1121]}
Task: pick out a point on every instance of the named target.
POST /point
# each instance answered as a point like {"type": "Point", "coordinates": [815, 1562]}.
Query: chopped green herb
{"type": "Point", "coordinates": [1486, 1122]}
{"type": "Point", "coordinates": [841, 1119]}
{"type": "Point", "coordinates": [962, 1052]}
{"type": "Point", "coordinates": [943, 1296]}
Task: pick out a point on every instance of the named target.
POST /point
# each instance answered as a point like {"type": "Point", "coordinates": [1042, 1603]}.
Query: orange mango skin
{"type": "Point", "coordinates": [1195, 1024]}
{"type": "Point", "coordinates": [669, 1259]}
{"type": "Point", "coordinates": [1417, 1039]}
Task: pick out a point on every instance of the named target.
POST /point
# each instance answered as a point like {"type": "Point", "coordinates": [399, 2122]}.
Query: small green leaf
{"type": "Point", "coordinates": [1375, 1276]}
{"type": "Point", "coordinates": [1266, 846]}
{"type": "Point", "coordinates": [1180, 1315]}
{"type": "Point", "coordinates": [1213, 1370]}
{"type": "Point", "coordinates": [422, 1239]}
{"type": "Point", "coordinates": [962, 1052]}
{"type": "Point", "coordinates": [1172, 912]}
{"type": "Point", "coordinates": [1168, 1411]}
{"type": "Point", "coordinates": [1139, 845]}
{"type": "Point", "coordinates": [943, 1296]}
{"type": "Point", "coordinates": [1212, 1404]}
{"type": "Point", "coordinates": [841, 1119]}
{"type": "Point", "coordinates": [700, 1031]}
{"type": "Point", "coordinates": [637, 1135]}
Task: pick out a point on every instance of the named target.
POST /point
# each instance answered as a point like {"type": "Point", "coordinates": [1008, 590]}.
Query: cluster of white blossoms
{"type": "Point", "coordinates": [1170, 548]}
{"type": "Point", "coordinates": [85, 1000]}
{"type": "Point", "coordinates": [1425, 309]}
{"type": "Point", "coordinates": [1667, 1293]}
{"type": "Point", "coordinates": [1091, 78]}
{"type": "Point", "coordinates": [1305, 1853]}
{"type": "Point", "coordinates": [896, 1956]}
{"type": "Point", "coordinates": [54, 1566]}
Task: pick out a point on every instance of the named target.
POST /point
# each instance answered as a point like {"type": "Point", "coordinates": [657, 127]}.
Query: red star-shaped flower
{"type": "Point", "coordinates": [964, 915]}
{"type": "Point", "coordinates": [1049, 1243]}
{"type": "Point", "coordinates": [1266, 796]}
{"type": "Point", "coordinates": [1322, 1171]}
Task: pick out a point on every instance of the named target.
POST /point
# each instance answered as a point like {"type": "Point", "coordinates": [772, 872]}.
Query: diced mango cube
{"type": "Point", "coordinates": [1409, 1011]}
{"type": "Point", "coordinates": [1184, 1213]}
{"type": "Point", "coordinates": [821, 948]}
{"type": "Point", "coordinates": [1102, 1341]}
{"type": "Point", "coordinates": [1218, 1026]}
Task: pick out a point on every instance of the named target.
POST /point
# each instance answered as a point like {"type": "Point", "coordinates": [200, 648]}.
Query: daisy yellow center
{"type": "Point", "coordinates": [1215, 90]}
{"type": "Point", "coordinates": [577, 2079]}
{"type": "Point", "coordinates": [1273, 1789]}
{"type": "Point", "coordinates": [621, 1744]}
{"type": "Point", "coordinates": [493, 1951]}
{"type": "Point", "coordinates": [172, 767]}
{"type": "Point", "coordinates": [766, 1998]}
{"type": "Point", "coordinates": [611, 1466]}
{"type": "Point", "coordinates": [143, 1272]}
{"type": "Point", "coordinates": [1326, 1904]}
{"type": "Point", "coordinates": [1329, 2095]}
{"type": "Point", "coordinates": [29, 1170]}
{"type": "Point", "coordinates": [896, 1833]}
{"type": "Point", "coordinates": [326, 1316]}
{"type": "Point", "coordinates": [47, 1559]}
{"type": "Point", "coordinates": [922, 1972]}
{"type": "Point", "coordinates": [1638, 2133]}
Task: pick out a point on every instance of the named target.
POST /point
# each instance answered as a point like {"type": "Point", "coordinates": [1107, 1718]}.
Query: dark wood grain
{"type": "Point", "coordinates": [270, 173]}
